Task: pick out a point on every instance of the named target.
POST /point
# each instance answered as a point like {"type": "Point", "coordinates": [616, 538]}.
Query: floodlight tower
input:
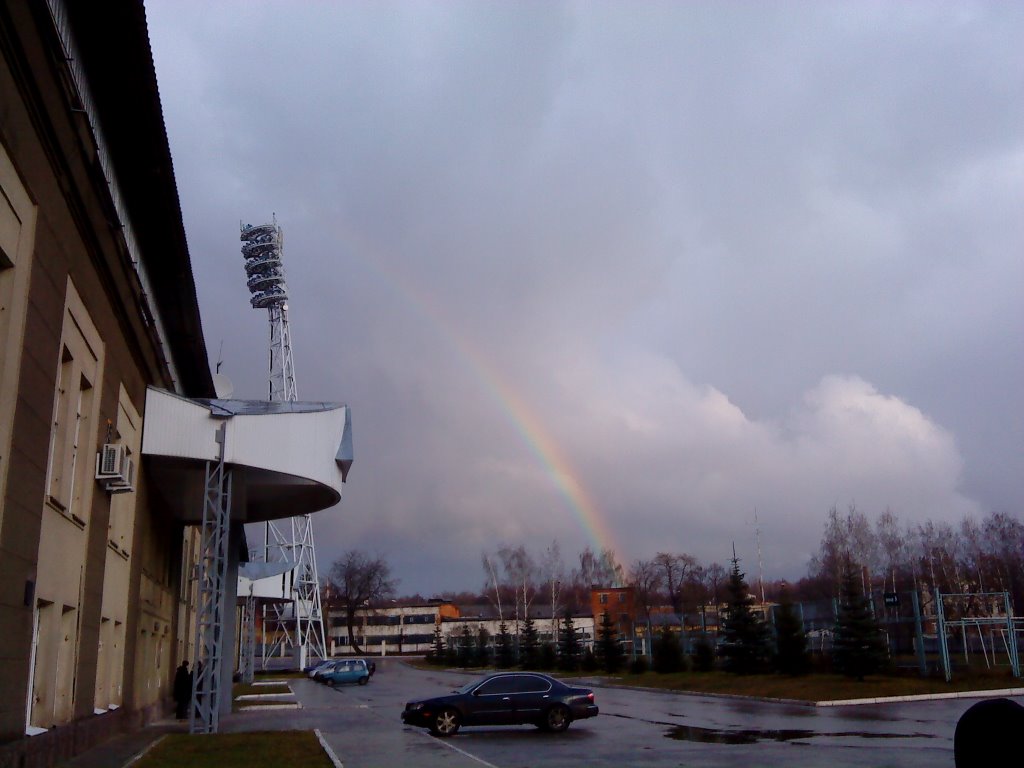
{"type": "Point", "coordinates": [301, 622]}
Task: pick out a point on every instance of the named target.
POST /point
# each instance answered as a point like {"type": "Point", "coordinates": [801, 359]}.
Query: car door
{"type": "Point", "coordinates": [346, 672]}
{"type": "Point", "coordinates": [359, 670]}
{"type": "Point", "coordinates": [491, 701]}
{"type": "Point", "coordinates": [530, 698]}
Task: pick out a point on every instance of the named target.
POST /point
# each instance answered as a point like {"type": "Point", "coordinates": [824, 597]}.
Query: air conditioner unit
{"type": "Point", "coordinates": [126, 482]}
{"type": "Point", "coordinates": [115, 468]}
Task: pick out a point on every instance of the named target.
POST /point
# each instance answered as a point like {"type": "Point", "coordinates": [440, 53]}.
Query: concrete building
{"type": "Point", "coordinates": [106, 421]}
{"type": "Point", "coordinates": [96, 304]}
{"type": "Point", "coordinates": [410, 629]}
{"type": "Point", "coordinates": [390, 630]}
{"type": "Point", "coordinates": [619, 603]}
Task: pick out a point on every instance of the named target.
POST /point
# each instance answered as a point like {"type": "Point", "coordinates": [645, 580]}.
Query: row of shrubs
{"type": "Point", "coordinates": [668, 657]}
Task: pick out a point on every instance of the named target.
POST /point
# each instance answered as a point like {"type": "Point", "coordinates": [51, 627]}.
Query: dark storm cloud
{"type": "Point", "coordinates": [723, 257]}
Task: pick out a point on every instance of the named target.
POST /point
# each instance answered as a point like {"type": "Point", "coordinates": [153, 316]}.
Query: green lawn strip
{"type": "Point", "coordinates": [814, 687]}
{"type": "Point", "coordinates": [282, 675]}
{"type": "Point", "coordinates": [263, 749]}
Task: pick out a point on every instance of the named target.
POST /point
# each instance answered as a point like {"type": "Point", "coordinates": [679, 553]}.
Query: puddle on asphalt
{"type": "Point", "coordinates": [752, 736]}
{"type": "Point", "coordinates": [712, 736]}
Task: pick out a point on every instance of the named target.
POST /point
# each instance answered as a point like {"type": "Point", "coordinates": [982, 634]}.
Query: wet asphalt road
{"type": "Point", "coordinates": [636, 728]}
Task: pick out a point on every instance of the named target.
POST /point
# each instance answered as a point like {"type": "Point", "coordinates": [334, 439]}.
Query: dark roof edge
{"type": "Point", "coordinates": [115, 49]}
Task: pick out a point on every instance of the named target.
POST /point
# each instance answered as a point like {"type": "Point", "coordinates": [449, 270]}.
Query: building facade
{"type": "Point", "coordinates": [97, 303]}
{"type": "Point", "coordinates": [395, 629]}
{"type": "Point", "coordinates": [410, 629]}
{"type": "Point", "coordinates": [619, 603]}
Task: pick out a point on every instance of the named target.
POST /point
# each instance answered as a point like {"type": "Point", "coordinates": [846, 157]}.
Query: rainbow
{"type": "Point", "coordinates": [526, 423]}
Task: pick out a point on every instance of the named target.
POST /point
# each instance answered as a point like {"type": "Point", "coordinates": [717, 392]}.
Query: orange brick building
{"type": "Point", "coordinates": [620, 604]}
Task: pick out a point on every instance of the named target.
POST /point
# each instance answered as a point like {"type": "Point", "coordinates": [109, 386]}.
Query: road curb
{"type": "Point", "coordinates": [143, 752]}
{"type": "Point", "coordinates": [982, 694]}
{"type": "Point", "coordinates": [327, 748]}
{"type": "Point", "coordinates": [924, 697]}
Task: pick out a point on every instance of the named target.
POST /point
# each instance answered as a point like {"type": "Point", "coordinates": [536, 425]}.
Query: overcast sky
{"type": "Point", "coordinates": [620, 274]}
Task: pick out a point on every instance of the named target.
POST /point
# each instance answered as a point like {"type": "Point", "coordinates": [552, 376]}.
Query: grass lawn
{"type": "Point", "coordinates": [277, 749]}
{"type": "Point", "coordinates": [816, 687]}
{"type": "Point", "coordinates": [813, 687]}
{"type": "Point", "coordinates": [287, 674]}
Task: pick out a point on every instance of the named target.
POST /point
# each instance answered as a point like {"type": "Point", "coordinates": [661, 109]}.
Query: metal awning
{"type": "Point", "coordinates": [286, 458]}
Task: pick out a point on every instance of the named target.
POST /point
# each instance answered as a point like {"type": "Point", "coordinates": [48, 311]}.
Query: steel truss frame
{"type": "Point", "coordinates": [204, 714]}
{"type": "Point", "coordinates": [247, 650]}
{"type": "Point", "coordinates": [297, 624]}
{"type": "Point", "coordinates": [282, 364]}
{"type": "Point", "coordinates": [1004, 623]}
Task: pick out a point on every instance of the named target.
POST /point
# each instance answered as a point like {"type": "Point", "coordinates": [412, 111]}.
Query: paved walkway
{"type": "Point", "coordinates": [122, 750]}
{"type": "Point", "coordinates": [319, 711]}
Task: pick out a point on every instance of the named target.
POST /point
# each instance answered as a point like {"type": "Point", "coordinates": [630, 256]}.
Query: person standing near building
{"type": "Point", "coordinates": [182, 690]}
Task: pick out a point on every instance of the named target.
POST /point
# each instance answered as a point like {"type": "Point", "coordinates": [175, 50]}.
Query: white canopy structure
{"type": "Point", "coordinates": [221, 463]}
{"type": "Point", "coordinates": [287, 458]}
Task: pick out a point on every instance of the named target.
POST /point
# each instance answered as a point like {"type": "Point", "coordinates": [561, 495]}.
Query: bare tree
{"type": "Point", "coordinates": [359, 580]}
{"type": "Point", "coordinates": [891, 544]}
{"type": "Point", "coordinates": [714, 577]}
{"type": "Point", "coordinates": [492, 586]}
{"type": "Point", "coordinates": [846, 537]}
{"type": "Point", "coordinates": [1004, 537]}
{"type": "Point", "coordinates": [553, 572]}
{"type": "Point", "coordinates": [520, 572]}
{"type": "Point", "coordinates": [646, 580]}
{"type": "Point", "coordinates": [675, 571]}
{"type": "Point", "coordinates": [600, 569]}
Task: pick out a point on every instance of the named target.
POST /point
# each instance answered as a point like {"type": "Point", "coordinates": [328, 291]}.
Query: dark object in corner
{"type": "Point", "coordinates": [990, 727]}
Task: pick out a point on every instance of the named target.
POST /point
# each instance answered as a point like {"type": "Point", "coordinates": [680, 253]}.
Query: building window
{"type": "Point", "coordinates": [122, 505]}
{"type": "Point", "coordinates": [117, 569]}
{"type": "Point", "coordinates": [622, 597]}
{"type": "Point", "coordinates": [73, 431]}
{"type": "Point", "coordinates": [17, 241]}
{"type": "Point", "coordinates": [65, 518]}
{"type": "Point", "coordinates": [603, 598]}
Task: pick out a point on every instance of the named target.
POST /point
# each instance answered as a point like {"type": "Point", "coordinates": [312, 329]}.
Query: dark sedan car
{"type": "Point", "coordinates": [507, 698]}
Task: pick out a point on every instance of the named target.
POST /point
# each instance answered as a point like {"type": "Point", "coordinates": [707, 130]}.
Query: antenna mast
{"type": "Point", "coordinates": [299, 623]}
{"type": "Point", "coordinates": [760, 562]}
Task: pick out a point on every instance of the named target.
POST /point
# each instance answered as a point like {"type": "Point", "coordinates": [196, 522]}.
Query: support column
{"type": "Point", "coordinates": [204, 714]}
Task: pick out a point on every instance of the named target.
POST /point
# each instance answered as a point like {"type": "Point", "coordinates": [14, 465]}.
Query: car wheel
{"type": "Point", "coordinates": [556, 719]}
{"type": "Point", "coordinates": [329, 682]}
{"type": "Point", "coordinates": [364, 680]}
{"type": "Point", "coordinates": [445, 723]}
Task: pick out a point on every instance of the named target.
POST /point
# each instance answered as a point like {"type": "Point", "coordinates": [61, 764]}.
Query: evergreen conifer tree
{"type": "Point", "coordinates": [466, 647]}
{"type": "Point", "coordinates": [791, 657]}
{"type": "Point", "coordinates": [668, 655]}
{"type": "Point", "coordinates": [609, 653]}
{"type": "Point", "coordinates": [529, 645]}
{"type": "Point", "coordinates": [548, 656]}
{"type": "Point", "coordinates": [703, 655]}
{"type": "Point", "coordinates": [436, 654]}
{"type": "Point", "coordinates": [746, 640]}
{"type": "Point", "coordinates": [483, 647]}
{"type": "Point", "coordinates": [505, 651]}
{"type": "Point", "coordinates": [568, 645]}
{"type": "Point", "coordinates": [858, 647]}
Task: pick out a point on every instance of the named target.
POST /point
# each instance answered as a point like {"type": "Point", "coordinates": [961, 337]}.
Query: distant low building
{"type": "Point", "coordinates": [620, 605]}
{"type": "Point", "coordinates": [389, 629]}
{"type": "Point", "coordinates": [409, 629]}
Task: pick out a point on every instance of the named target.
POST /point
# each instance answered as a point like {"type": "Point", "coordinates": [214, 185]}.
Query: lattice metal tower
{"type": "Point", "coordinates": [300, 623]}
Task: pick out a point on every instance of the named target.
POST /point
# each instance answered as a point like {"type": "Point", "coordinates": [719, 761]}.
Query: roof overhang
{"type": "Point", "coordinates": [286, 458]}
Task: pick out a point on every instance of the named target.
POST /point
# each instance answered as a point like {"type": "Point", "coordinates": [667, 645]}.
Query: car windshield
{"type": "Point", "coordinates": [468, 687]}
